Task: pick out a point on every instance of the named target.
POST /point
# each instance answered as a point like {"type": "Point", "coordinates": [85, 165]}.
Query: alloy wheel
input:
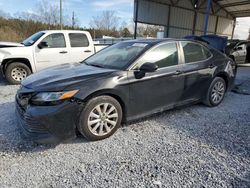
{"type": "Point", "coordinates": [218, 92]}
{"type": "Point", "coordinates": [102, 119]}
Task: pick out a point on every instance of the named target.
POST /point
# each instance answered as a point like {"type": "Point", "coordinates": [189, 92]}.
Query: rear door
{"type": "Point", "coordinates": [160, 89]}
{"type": "Point", "coordinates": [197, 70]}
{"type": "Point", "coordinates": [80, 47]}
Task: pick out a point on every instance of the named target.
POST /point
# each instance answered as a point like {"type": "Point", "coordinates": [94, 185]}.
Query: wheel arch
{"type": "Point", "coordinates": [224, 76]}
{"type": "Point", "coordinates": [115, 95]}
{"type": "Point", "coordinates": [7, 62]}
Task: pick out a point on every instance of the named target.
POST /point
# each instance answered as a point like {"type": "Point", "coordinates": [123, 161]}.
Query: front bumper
{"type": "Point", "coordinates": [48, 124]}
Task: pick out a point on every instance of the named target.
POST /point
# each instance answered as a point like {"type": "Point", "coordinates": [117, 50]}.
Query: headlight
{"type": "Point", "coordinates": [53, 96]}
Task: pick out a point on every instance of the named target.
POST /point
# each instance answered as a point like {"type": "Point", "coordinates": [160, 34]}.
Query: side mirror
{"type": "Point", "coordinates": [42, 45]}
{"type": "Point", "coordinates": [148, 67]}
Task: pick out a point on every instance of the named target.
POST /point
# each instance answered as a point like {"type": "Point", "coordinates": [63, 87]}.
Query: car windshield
{"type": "Point", "coordinates": [117, 56]}
{"type": "Point", "coordinates": [32, 39]}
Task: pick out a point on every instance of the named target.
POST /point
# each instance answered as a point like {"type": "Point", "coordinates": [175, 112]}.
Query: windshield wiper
{"type": "Point", "coordinates": [94, 65]}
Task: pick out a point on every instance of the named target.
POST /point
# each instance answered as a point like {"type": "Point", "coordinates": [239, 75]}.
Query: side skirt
{"type": "Point", "coordinates": [160, 110]}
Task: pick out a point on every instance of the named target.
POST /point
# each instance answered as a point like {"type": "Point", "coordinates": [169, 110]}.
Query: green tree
{"type": "Point", "coordinates": [125, 32]}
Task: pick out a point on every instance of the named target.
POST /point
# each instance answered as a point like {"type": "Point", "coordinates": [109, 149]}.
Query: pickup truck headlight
{"type": "Point", "coordinates": [52, 97]}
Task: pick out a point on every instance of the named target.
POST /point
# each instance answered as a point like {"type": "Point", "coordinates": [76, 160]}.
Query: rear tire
{"type": "Point", "coordinates": [16, 72]}
{"type": "Point", "coordinates": [216, 92]}
{"type": "Point", "coordinates": [100, 118]}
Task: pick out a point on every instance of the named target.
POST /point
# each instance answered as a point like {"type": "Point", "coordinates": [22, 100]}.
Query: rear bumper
{"type": "Point", "coordinates": [48, 124]}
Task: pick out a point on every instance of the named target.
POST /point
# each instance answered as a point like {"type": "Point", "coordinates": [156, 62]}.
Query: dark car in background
{"type": "Point", "coordinates": [121, 83]}
{"type": "Point", "coordinates": [238, 50]}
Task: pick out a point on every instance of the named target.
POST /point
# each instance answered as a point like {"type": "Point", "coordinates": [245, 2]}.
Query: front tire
{"type": "Point", "coordinates": [100, 118]}
{"type": "Point", "coordinates": [216, 92]}
{"type": "Point", "coordinates": [16, 72]}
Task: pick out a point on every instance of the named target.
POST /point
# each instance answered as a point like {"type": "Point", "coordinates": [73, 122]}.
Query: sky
{"type": "Point", "coordinates": [86, 9]}
{"type": "Point", "coordinates": [242, 28]}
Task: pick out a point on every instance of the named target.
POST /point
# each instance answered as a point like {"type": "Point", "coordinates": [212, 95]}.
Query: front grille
{"type": "Point", "coordinates": [28, 123]}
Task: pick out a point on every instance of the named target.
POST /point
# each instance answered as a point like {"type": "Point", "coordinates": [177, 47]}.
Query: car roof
{"type": "Point", "coordinates": [157, 41]}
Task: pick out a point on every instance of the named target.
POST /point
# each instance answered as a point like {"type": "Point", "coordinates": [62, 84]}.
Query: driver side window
{"type": "Point", "coordinates": [164, 55]}
{"type": "Point", "coordinates": [55, 40]}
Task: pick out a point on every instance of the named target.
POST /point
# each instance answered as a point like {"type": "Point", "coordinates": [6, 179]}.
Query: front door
{"type": "Point", "coordinates": [55, 53]}
{"type": "Point", "coordinates": [158, 90]}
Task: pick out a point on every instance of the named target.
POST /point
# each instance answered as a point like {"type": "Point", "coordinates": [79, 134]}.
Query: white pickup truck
{"type": "Point", "coordinates": [44, 49]}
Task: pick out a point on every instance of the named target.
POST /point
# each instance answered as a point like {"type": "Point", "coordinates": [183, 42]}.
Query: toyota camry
{"type": "Point", "coordinates": [121, 83]}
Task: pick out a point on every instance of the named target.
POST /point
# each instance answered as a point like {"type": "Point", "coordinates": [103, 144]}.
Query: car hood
{"type": "Point", "coordinates": [59, 77]}
{"type": "Point", "coordinates": [10, 44]}
{"type": "Point", "coordinates": [17, 51]}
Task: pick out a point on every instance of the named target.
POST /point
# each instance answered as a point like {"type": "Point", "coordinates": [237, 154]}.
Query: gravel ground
{"type": "Point", "coordinates": [194, 146]}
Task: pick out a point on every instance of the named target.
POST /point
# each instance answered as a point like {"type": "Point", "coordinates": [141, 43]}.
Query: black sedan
{"type": "Point", "coordinates": [121, 83]}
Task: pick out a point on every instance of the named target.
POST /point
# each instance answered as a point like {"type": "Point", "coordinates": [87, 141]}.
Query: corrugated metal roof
{"type": "Point", "coordinates": [186, 17]}
{"type": "Point", "coordinates": [235, 8]}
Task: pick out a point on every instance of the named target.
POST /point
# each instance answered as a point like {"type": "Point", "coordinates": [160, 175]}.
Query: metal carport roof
{"type": "Point", "coordinates": [236, 8]}
{"type": "Point", "coordinates": [185, 17]}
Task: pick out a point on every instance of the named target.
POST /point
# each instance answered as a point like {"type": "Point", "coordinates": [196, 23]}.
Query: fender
{"type": "Point", "coordinates": [11, 54]}
{"type": "Point", "coordinates": [112, 93]}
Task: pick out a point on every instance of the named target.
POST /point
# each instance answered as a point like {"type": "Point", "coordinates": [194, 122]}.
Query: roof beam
{"type": "Point", "coordinates": [222, 7]}
{"type": "Point", "coordinates": [201, 4]}
{"type": "Point", "coordinates": [241, 12]}
{"type": "Point", "coordinates": [244, 13]}
{"type": "Point", "coordinates": [236, 4]}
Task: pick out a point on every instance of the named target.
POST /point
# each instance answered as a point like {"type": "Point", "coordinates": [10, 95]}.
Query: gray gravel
{"type": "Point", "coordinates": [193, 146]}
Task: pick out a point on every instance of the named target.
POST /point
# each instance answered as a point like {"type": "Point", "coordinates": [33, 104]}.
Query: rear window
{"type": "Point", "coordinates": [194, 52]}
{"type": "Point", "coordinates": [78, 40]}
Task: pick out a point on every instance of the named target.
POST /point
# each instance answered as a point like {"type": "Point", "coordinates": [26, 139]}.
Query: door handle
{"type": "Point", "coordinates": [211, 66]}
{"type": "Point", "coordinates": [63, 52]}
{"type": "Point", "coordinates": [87, 51]}
{"type": "Point", "coordinates": [178, 72]}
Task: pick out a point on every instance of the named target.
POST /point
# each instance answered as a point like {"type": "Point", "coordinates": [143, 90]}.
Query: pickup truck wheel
{"type": "Point", "coordinates": [16, 72]}
{"type": "Point", "coordinates": [100, 118]}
